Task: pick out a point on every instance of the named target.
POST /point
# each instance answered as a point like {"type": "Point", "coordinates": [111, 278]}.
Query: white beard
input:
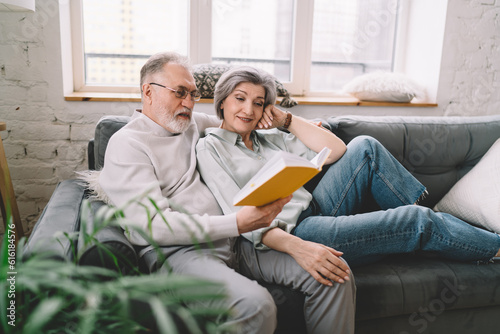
{"type": "Point", "coordinates": [178, 126]}
{"type": "Point", "coordinates": [170, 122]}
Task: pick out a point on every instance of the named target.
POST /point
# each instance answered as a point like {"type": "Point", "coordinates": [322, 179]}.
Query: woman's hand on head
{"type": "Point", "coordinates": [272, 117]}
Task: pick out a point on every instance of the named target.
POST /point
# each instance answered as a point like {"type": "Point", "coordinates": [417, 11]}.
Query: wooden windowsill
{"type": "Point", "coordinates": [323, 101]}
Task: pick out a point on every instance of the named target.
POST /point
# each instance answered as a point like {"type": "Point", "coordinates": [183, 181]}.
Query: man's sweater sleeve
{"type": "Point", "coordinates": [129, 180]}
{"type": "Point", "coordinates": [205, 121]}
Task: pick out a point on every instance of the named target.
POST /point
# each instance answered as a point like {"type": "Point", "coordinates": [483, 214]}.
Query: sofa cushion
{"type": "Point", "coordinates": [403, 285]}
{"type": "Point", "coordinates": [438, 151]}
{"type": "Point", "coordinates": [104, 129]}
{"type": "Point", "coordinates": [481, 320]}
{"type": "Point", "coordinates": [476, 197]}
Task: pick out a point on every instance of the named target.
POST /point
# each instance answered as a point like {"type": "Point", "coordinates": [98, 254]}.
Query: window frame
{"type": "Point", "coordinates": [199, 46]}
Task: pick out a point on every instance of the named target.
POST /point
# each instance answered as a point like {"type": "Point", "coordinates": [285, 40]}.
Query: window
{"type": "Point", "coordinates": [119, 36]}
{"type": "Point", "coordinates": [351, 38]}
{"type": "Point", "coordinates": [258, 33]}
{"type": "Point", "coordinates": [313, 47]}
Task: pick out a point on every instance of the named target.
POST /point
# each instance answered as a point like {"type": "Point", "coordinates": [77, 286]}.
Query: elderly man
{"type": "Point", "coordinates": [155, 153]}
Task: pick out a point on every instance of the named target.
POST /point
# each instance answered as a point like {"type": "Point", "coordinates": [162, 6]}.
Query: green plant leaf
{"type": "Point", "coordinates": [99, 300]}
{"type": "Point", "coordinates": [43, 313]}
{"type": "Point", "coordinates": [164, 321]}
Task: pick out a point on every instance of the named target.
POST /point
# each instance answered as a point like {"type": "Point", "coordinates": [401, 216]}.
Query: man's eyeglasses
{"type": "Point", "coordinates": [181, 93]}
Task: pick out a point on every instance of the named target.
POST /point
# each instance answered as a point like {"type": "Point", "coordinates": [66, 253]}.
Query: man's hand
{"type": "Point", "coordinates": [251, 218]}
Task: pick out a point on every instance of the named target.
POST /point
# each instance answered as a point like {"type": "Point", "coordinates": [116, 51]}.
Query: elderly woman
{"type": "Point", "coordinates": [316, 228]}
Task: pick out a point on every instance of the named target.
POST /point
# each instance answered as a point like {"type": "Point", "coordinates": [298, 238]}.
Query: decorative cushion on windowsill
{"type": "Point", "coordinates": [207, 75]}
{"type": "Point", "coordinates": [384, 87]}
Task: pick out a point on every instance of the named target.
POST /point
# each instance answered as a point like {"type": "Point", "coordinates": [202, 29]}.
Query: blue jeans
{"type": "Point", "coordinates": [367, 174]}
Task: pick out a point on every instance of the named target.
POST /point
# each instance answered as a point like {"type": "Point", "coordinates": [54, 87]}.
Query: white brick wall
{"type": "Point", "coordinates": [46, 137]}
{"type": "Point", "coordinates": [471, 59]}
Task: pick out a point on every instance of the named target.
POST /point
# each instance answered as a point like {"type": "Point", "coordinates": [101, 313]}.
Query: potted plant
{"type": "Point", "coordinates": [43, 295]}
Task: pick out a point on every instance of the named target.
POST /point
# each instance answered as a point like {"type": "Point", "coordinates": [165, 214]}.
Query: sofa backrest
{"type": "Point", "coordinates": [438, 151]}
{"type": "Point", "coordinates": [104, 129]}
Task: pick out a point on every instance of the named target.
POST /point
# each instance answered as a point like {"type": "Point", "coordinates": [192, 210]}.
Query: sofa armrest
{"type": "Point", "coordinates": [105, 245]}
{"type": "Point", "coordinates": [57, 233]}
{"type": "Point", "coordinates": [54, 232]}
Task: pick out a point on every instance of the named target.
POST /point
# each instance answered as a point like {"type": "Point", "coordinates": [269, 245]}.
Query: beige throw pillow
{"type": "Point", "coordinates": [475, 198]}
{"type": "Point", "coordinates": [384, 87]}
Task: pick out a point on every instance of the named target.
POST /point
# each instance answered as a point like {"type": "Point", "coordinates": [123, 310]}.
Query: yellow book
{"type": "Point", "coordinates": [280, 177]}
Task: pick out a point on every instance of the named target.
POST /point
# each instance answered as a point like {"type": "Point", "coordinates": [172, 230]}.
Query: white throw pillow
{"type": "Point", "coordinates": [475, 198]}
{"type": "Point", "coordinates": [384, 86]}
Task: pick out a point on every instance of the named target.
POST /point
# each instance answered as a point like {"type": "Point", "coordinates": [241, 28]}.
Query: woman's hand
{"type": "Point", "coordinates": [312, 134]}
{"type": "Point", "coordinates": [272, 117]}
{"type": "Point", "coordinates": [322, 262]}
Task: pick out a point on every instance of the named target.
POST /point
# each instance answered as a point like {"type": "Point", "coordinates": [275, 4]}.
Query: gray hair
{"type": "Point", "coordinates": [233, 77]}
{"type": "Point", "coordinates": [156, 62]}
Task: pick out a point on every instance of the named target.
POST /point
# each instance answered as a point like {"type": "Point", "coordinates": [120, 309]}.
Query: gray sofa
{"type": "Point", "coordinates": [401, 294]}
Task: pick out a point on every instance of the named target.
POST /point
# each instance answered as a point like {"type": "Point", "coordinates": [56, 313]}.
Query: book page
{"type": "Point", "coordinates": [321, 157]}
